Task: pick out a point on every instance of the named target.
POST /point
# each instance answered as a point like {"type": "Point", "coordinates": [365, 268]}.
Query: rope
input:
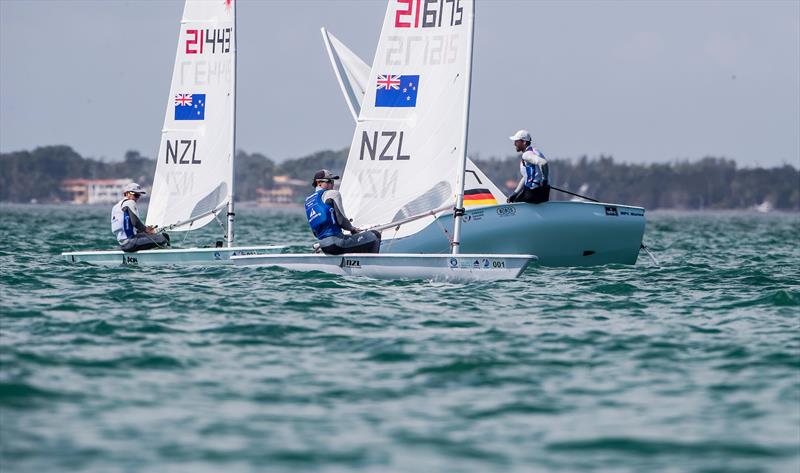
{"type": "Point", "coordinates": [652, 257]}
{"type": "Point", "coordinates": [397, 229]}
{"type": "Point", "coordinates": [394, 237]}
{"type": "Point", "coordinates": [572, 193]}
{"type": "Point", "coordinates": [221, 226]}
{"type": "Point", "coordinates": [446, 233]}
{"type": "Point", "coordinates": [154, 242]}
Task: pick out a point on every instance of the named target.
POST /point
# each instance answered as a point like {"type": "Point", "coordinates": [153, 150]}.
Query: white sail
{"type": "Point", "coordinates": [353, 74]}
{"type": "Point", "coordinates": [194, 172]}
{"type": "Point", "coordinates": [407, 145]}
{"type": "Point", "coordinates": [351, 71]}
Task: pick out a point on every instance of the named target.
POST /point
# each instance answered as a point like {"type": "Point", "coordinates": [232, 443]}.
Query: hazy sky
{"type": "Point", "coordinates": [643, 81]}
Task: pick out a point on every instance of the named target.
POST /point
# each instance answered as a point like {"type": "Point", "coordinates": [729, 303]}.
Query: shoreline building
{"type": "Point", "coordinates": [286, 191]}
{"type": "Point", "coordinates": [94, 191]}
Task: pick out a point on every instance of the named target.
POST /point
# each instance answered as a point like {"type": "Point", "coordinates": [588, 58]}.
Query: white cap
{"type": "Point", "coordinates": [135, 188]}
{"type": "Point", "coordinates": [521, 135]}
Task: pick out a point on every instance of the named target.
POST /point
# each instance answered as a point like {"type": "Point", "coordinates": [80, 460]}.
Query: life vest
{"type": "Point", "coordinates": [535, 174]}
{"type": "Point", "coordinates": [321, 216]}
{"type": "Point", "coordinates": [121, 225]}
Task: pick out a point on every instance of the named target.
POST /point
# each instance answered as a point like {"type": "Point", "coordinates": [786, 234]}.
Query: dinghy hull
{"type": "Point", "coordinates": [559, 233]}
{"type": "Point", "coordinates": [185, 256]}
{"type": "Point", "coordinates": [435, 267]}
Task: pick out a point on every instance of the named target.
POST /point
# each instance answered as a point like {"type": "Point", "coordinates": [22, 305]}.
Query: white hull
{"type": "Point", "coordinates": [436, 267]}
{"type": "Point", "coordinates": [185, 256]}
{"type": "Point", "coordinates": [559, 233]}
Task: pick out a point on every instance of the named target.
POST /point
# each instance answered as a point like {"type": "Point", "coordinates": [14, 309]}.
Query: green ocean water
{"type": "Point", "coordinates": [691, 366]}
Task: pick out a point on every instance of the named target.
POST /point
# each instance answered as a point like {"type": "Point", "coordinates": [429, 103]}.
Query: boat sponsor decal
{"type": "Point", "coordinates": [386, 145]}
{"type": "Point", "coordinates": [350, 263]}
{"type": "Point", "coordinates": [396, 90]}
{"type": "Point", "coordinates": [478, 197]}
{"type": "Point", "coordinates": [209, 41]}
{"type": "Point", "coordinates": [217, 256]}
{"type": "Point", "coordinates": [182, 148]}
{"type": "Point", "coordinates": [632, 213]}
{"type": "Point", "coordinates": [128, 259]}
{"type": "Point", "coordinates": [190, 107]}
{"type": "Point", "coordinates": [250, 252]}
{"type": "Point", "coordinates": [506, 211]}
{"type": "Point", "coordinates": [612, 211]}
{"type": "Point", "coordinates": [428, 13]}
{"type": "Point", "coordinates": [471, 216]}
{"type": "Point", "coordinates": [480, 264]}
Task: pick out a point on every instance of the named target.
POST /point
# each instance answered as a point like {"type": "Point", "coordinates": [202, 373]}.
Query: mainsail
{"type": "Point", "coordinates": [408, 141]}
{"type": "Point", "coordinates": [353, 76]}
{"type": "Point", "coordinates": [194, 172]}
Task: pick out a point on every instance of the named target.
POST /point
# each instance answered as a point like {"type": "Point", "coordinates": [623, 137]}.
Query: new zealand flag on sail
{"type": "Point", "coordinates": [396, 91]}
{"type": "Point", "coordinates": [190, 107]}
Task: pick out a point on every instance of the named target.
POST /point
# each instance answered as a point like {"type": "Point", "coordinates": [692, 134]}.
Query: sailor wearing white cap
{"type": "Point", "coordinates": [131, 233]}
{"type": "Point", "coordinates": [533, 187]}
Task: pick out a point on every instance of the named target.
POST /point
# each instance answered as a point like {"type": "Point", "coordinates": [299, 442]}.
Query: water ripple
{"type": "Point", "coordinates": [690, 366]}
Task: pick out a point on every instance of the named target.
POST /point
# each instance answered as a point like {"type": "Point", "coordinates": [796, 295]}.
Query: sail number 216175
{"type": "Point", "coordinates": [428, 13]}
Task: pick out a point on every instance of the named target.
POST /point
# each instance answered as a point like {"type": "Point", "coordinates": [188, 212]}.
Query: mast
{"type": "Point", "coordinates": [231, 212]}
{"type": "Point", "coordinates": [458, 211]}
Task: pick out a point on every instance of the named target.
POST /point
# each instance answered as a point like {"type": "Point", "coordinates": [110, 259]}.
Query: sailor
{"type": "Point", "coordinates": [327, 219]}
{"type": "Point", "coordinates": [533, 187]}
{"type": "Point", "coordinates": [131, 233]}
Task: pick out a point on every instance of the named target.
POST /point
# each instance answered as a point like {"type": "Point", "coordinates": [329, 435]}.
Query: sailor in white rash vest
{"type": "Point", "coordinates": [126, 225]}
{"type": "Point", "coordinates": [326, 218]}
{"type": "Point", "coordinates": [533, 187]}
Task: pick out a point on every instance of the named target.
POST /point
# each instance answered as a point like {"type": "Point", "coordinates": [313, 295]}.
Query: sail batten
{"type": "Point", "coordinates": [194, 170]}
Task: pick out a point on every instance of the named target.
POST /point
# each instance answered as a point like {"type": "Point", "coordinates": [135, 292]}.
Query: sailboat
{"type": "Point", "coordinates": [193, 183]}
{"type": "Point", "coordinates": [575, 233]}
{"type": "Point", "coordinates": [353, 74]}
{"type": "Point", "coordinates": [408, 157]}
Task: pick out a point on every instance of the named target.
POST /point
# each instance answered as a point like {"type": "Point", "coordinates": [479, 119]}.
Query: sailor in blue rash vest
{"type": "Point", "coordinates": [327, 220]}
{"type": "Point", "coordinates": [533, 187]}
{"type": "Point", "coordinates": [131, 233]}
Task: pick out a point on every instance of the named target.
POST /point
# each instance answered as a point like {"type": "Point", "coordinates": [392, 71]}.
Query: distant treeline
{"type": "Point", "coordinates": [711, 183]}
{"type": "Point", "coordinates": [37, 175]}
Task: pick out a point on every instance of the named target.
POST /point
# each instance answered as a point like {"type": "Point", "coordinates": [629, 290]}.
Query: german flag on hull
{"type": "Point", "coordinates": [474, 197]}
